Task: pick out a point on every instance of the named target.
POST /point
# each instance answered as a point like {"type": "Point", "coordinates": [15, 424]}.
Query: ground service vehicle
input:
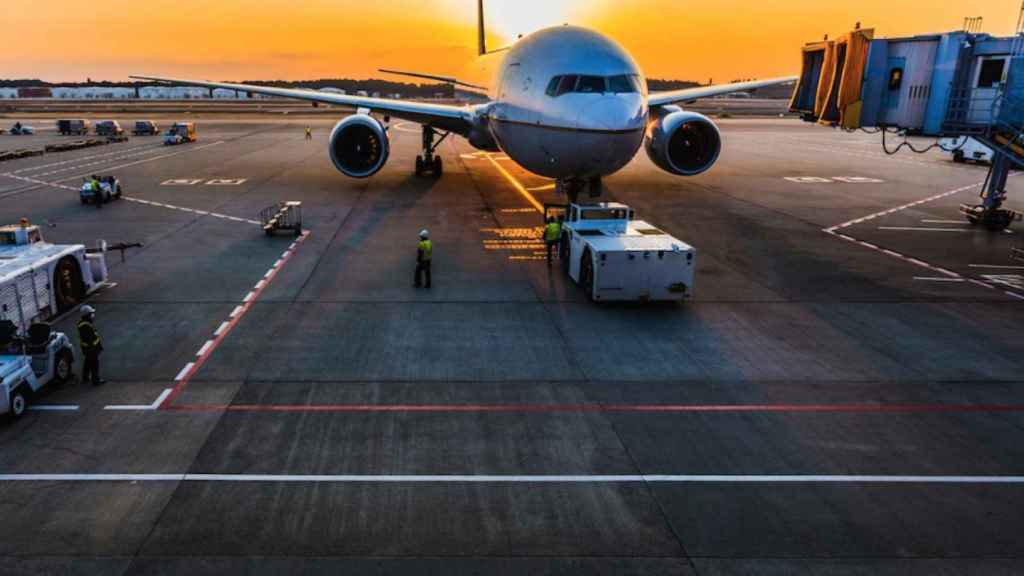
{"type": "Point", "coordinates": [965, 148]}
{"type": "Point", "coordinates": [30, 361]}
{"type": "Point", "coordinates": [179, 133]}
{"type": "Point", "coordinates": [75, 127]}
{"type": "Point", "coordinates": [39, 280]}
{"type": "Point", "coordinates": [145, 128]}
{"type": "Point", "coordinates": [616, 258]}
{"type": "Point", "coordinates": [108, 128]}
{"type": "Point", "coordinates": [110, 190]}
{"type": "Point", "coordinates": [20, 129]}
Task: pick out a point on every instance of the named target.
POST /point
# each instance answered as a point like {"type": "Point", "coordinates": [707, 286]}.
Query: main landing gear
{"type": "Point", "coordinates": [428, 161]}
{"type": "Point", "coordinates": [572, 187]}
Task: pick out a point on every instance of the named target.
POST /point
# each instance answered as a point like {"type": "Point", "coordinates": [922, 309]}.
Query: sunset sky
{"type": "Point", "coordinates": [69, 40]}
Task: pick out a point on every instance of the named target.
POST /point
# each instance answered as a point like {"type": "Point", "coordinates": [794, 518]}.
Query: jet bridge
{"type": "Point", "coordinates": [940, 85]}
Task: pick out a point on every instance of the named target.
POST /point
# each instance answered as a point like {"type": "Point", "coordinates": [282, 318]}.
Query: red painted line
{"type": "Point", "coordinates": [785, 408]}
{"type": "Point", "coordinates": [232, 320]}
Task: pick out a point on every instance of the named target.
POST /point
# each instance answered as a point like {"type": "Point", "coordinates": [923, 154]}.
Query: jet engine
{"type": "Point", "coordinates": [680, 142]}
{"type": "Point", "coordinates": [359, 146]}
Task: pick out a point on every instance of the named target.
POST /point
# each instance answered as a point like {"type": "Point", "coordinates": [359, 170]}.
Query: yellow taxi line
{"type": "Point", "coordinates": [515, 184]}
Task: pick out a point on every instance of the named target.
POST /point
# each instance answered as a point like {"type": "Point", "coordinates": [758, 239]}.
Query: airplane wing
{"type": "Point", "coordinates": [687, 94]}
{"type": "Point", "coordinates": [456, 119]}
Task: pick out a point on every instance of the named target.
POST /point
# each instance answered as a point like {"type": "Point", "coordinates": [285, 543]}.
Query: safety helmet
{"type": "Point", "coordinates": [88, 310]}
{"type": "Point", "coordinates": [424, 234]}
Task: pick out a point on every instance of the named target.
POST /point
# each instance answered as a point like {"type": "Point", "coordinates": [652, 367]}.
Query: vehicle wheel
{"type": "Point", "coordinates": [438, 167]}
{"type": "Point", "coordinates": [958, 156]}
{"type": "Point", "coordinates": [83, 200]}
{"type": "Point", "coordinates": [63, 367]}
{"type": "Point", "coordinates": [119, 192]}
{"type": "Point", "coordinates": [19, 402]}
{"type": "Point", "coordinates": [587, 274]}
{"type": "Point", "coordinates": [419, 165]}
{"type": "Point", "coordinates": [68, 285]}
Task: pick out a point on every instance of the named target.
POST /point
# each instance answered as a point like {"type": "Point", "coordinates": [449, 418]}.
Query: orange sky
{"type": "Point", "coordinates": [263, 39]}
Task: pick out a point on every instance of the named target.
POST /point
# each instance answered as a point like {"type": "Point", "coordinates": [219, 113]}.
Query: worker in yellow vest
{"type": "Point", "coordinates": [552, 235]}
{"type": "Point", "coordinates": [424, 253]}
{"type": "Point", "coordinates": [91, 343]}
{"type": "Point", "coordinates": [309, 133]}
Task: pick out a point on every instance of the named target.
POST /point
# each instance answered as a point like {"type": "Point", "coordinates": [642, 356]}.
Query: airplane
{"type": "Point", "coordinates": [567, 103]}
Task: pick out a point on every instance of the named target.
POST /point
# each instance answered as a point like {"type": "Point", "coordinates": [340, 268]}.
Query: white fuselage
{"type": "Point", "coordinates": [568, 102]}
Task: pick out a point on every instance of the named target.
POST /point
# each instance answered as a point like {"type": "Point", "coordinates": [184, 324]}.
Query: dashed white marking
{"type": "Point", "coordinates": [997, 266]}
{"type": "Point", "coordinates": [184, 371]}
{"type": "Point", "coordinates": [278, 263]}
{"type": "Point", "coordinates": [206, 348]}
{"type": "Point", "coordinates": [248, 297]}
{"type": "Point", "coordinates": [269, 273]}
{"type": "Point", "coordinates": [939, 279]}
{"type": "Point", "coordinates": [53, 407]}
{"type": "Point", "coordinates": [930, 221]}
{"type": "Point", "coordinates": [238, 310]}
{"type": "Point", "coordinates": [155, 405]}
{"type": "Point", "coordinates": [220, 329]}
{"type": "Point", "coordinates": [259, 285]}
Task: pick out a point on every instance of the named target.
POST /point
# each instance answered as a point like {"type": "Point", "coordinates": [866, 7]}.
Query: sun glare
{"type": "Point", "coordinates": [510, 19]}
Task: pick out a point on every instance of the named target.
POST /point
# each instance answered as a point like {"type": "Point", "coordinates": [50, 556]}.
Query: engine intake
{"type": "Point", "coordinates": [683, 143]}
{"type": "Point", "coordinates": [359, 146]}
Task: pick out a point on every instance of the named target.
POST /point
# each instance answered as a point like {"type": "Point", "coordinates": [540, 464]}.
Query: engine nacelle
{"type": "Point", "coordinates": [359, 146]}
{"type": "Point", "coordinates": [683, 143]}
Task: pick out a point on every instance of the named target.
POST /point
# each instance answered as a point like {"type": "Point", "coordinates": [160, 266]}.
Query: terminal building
{"type": "Point", "coordinates": [953, 85]}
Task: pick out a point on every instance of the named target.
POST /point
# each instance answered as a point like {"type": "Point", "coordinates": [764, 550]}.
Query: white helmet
{"type": "Point", "coordinates": [424, 234]}
{"type": "Point", "coordinates": [87, 310]}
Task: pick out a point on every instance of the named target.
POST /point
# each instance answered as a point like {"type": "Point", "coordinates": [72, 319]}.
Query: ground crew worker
{"type": "Point", "coordinates": [92, 346]}
{"type": "Point", "coordinates": [94, 183]}
{"type": "Point", "coordinates": [309, 133]}
{"type": "Point", "coordinates": [552, 235]}
{"type": "Point", "coordinates": [424, 253]}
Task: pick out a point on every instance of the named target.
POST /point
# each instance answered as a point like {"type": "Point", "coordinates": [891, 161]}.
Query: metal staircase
{"type": "Point", "coordinates": [994, 117]}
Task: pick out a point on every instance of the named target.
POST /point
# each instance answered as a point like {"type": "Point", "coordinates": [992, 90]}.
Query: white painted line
{"type": "Point", "coordinates": [160, 399]}
{"type": "Point", "coordinates": [53, 407]}
{"type": "Point", "coordinates": [260, 284]}
{"type": "Point", "coordinates": [136, 407]}
{"type": "Point", "coordinates": [922, 229]}
{"type": "Point", "coordinates": [184, 371]}
{"type": "Point", "coordinates": [220, 329]}
{"type": "Point", "coordinates": [278, 263]}
{"type": "Point", "coordinates": [521, 479]}
{"type": "Point", "coordinates": [995, 266]}
{"type": "Point", "coordinates": [292, 247]}
{"type": "Point", "coordinates": [1014, 294]}
{"type": "Point", "coordinates": [944, 221]}
{"type": "Point", "coordinates": [249, 296]}
{"type": "Point", "coordinates": [238, 310]}
{"type": "Point", "coordinates": [935, 279]}
{"type": "Point", "coordinates": [269, 273]}
{"type": "Point", "coordinates": [206, 348]}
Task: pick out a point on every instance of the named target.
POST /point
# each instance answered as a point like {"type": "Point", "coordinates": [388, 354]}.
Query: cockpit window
{"type": "Point", "coordinates": [619, 84]}
{"type": "Point", "coordinates": [589, 84]}
{"type": "Point", "coordinates": [624, 84]}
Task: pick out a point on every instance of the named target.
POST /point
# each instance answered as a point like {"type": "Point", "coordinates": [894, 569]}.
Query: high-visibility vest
{"type": "Point", "coordinates": [553, 231]}
{"type": "Point", "coordinates": [95, 185]}
{"type": "Point", "coordinates": [88, 335]}
{"type": "Point", "coordinates": [426, 250]}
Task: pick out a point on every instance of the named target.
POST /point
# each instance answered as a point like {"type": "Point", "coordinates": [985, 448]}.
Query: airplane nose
{"type": "Point", "coordinates": [610, 113]}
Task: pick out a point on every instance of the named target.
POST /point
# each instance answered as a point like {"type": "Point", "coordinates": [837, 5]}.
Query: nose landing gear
{"type": "Point", "coordinates": [428, 161]}
{"type": "Point", "coordinates": [572, 187]}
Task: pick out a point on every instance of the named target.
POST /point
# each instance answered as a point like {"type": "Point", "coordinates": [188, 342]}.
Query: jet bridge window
{"type": "Point", "coordinates": [991, 73]}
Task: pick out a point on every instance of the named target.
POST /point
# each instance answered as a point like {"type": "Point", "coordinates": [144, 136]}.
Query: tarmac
{"type": "Point", "coordinates": [841, 395]}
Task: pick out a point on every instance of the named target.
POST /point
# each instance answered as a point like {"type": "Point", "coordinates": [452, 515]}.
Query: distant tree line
{"type": "Point", "coordinates": [349, 85]}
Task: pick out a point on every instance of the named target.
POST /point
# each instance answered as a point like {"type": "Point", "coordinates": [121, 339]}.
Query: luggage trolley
{"type": "Point", "coordinates": [282, 216]}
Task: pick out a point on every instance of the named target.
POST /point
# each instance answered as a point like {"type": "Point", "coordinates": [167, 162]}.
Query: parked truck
{"type": "Point", "coordinates": [73, 127]}
{"type": "Point", "coordinates": [109, 128]}
{"type": "Point", "coordinates": [616, 258]}
{"type": "Point", "coordinates": [180, 133]}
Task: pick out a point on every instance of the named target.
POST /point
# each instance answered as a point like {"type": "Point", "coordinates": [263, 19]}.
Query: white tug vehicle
{"type": "Point", "coordinates": [39, 280]}
{"type": "Point", "coordinates": [616, 258]}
